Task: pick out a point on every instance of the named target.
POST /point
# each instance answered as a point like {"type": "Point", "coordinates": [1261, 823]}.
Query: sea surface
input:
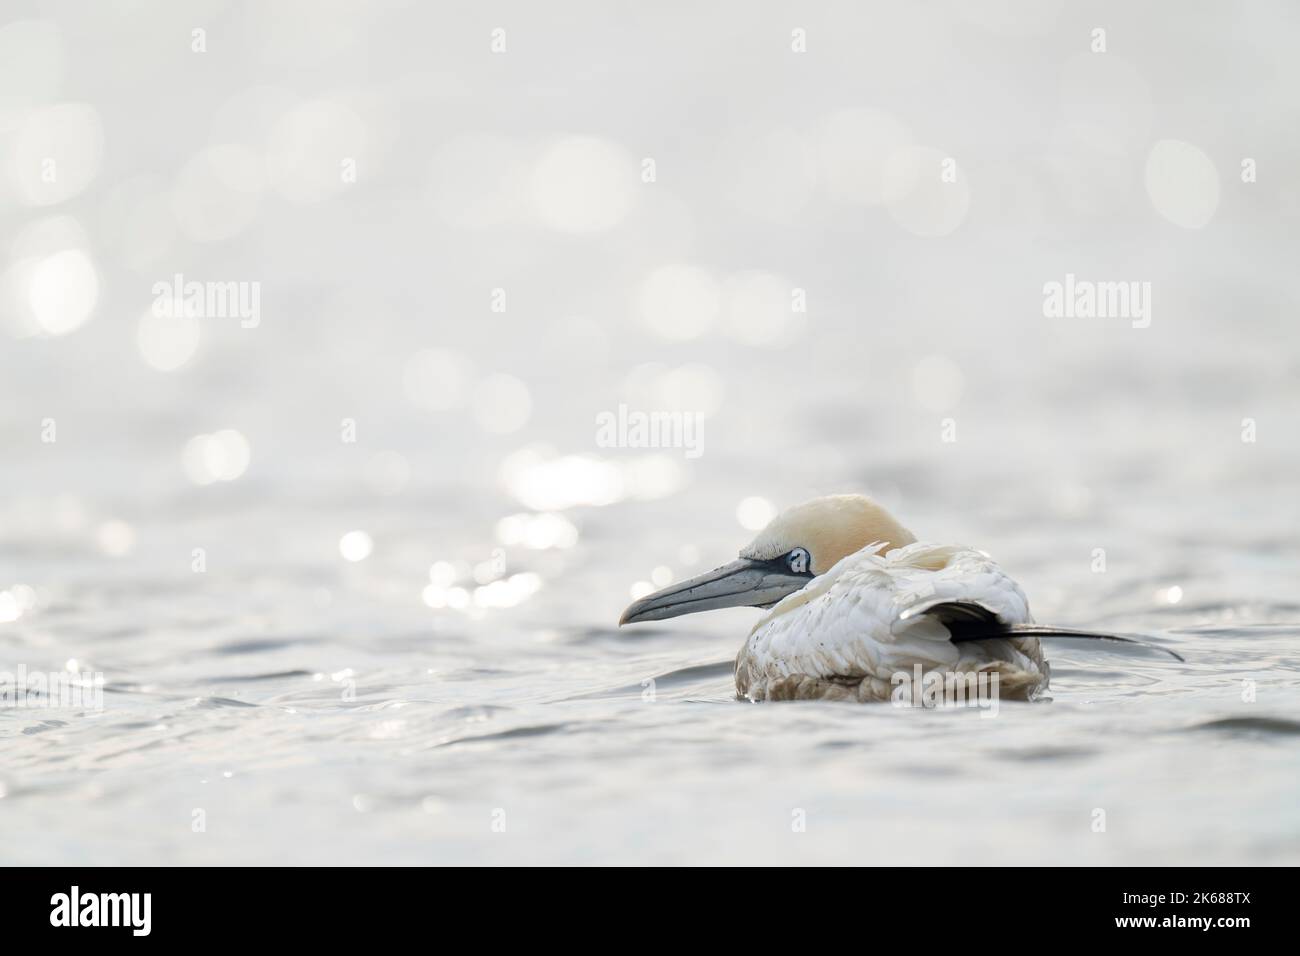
{"type": "Point", "coordinates": [342, 577]}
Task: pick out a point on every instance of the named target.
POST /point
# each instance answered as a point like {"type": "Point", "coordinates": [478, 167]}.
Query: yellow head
{"type": "Point", "coordinates": [796, 546]}
{"type": "Point", "coordinates": [828, 529]}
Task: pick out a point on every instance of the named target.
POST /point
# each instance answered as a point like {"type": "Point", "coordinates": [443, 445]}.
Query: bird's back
{"type": "Point", "coordinates": [851, 630]}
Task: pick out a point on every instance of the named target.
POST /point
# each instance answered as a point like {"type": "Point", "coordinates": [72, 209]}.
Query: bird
{"type": "Point", "coordinates": [859, 610]}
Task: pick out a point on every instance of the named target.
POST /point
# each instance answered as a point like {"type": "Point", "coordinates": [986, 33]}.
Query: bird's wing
{"type": "Point", "coordinates": [867, 616]}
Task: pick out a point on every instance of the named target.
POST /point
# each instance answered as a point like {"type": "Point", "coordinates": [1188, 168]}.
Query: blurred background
{"type": "Point", "coordinates": [348, 552]}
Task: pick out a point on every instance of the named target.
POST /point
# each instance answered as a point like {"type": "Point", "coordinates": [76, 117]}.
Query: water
{"type": "Point", "coordinates": [266, 700]}
{"type": "Point", "coordinates": [369, 729]}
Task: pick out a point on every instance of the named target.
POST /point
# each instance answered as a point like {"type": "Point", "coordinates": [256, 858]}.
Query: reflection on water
{"type": "Point", "coordinates": [351, 573]}
{"type": "Point", "coordinates": [289, 695]}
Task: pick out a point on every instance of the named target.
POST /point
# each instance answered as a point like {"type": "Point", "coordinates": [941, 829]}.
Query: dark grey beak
{"type": "Point", "coordinates": [741, 583]}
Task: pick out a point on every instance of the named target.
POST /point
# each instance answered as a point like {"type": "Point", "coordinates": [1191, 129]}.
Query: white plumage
{"type": "Point", "coordinates": [848, 632]}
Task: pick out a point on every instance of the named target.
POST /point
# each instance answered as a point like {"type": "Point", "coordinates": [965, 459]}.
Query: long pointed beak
{"type": "Point", "coordinates": [741, 583]}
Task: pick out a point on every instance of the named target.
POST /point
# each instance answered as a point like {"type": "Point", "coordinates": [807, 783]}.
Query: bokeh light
{"type": "Point", "coordinates": [680, 302]}
{"type": "Point", "coordinates": [63, 291]}
{"type": "Point", "coordinates": [1182, 183]}
{"type": "Point", "coordinates": [167, 342]}
{"type": "Point", "coordinates": [56, 152]}
{"type": "Point", "coordinates": [308, 146]}
{"type": "Point", "coordinates": [582, 184]}
{"type": "Point", "coordinates": [544, 482]}
{"type": "Point", "coordinates": [16, 601]}
{"type": "Point", "coordinates": [443, 574]}
{"type": "Point", "coordinates": [355, 546]}
{"type": "Point", "coordinates": [696, 388]}
{"type": "Point", "coordinates": [754, 513]}
{"type": "Point", "coordinates": [507, 592]}
{"type": "Point", "coordinates": [537, 532]}
{"type": "Point", "coordinates": [115, 538]}
{"type": "Point", "coordinates": [220, 456]}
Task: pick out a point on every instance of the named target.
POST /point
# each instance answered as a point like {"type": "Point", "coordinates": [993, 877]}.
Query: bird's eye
{"type": "Point", "coordinates": [798, 561]}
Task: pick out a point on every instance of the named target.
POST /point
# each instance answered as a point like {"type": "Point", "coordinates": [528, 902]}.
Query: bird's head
{"type": "Point", "coordinates": [796, 546]}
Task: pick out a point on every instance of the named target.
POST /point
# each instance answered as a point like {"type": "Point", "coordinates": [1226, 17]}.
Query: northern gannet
{"type": "Point", "coordinates": [855, 600]}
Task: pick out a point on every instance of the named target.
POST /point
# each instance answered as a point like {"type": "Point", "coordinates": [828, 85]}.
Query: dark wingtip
{"type": "Point", "coordinates": [1040, 631]}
